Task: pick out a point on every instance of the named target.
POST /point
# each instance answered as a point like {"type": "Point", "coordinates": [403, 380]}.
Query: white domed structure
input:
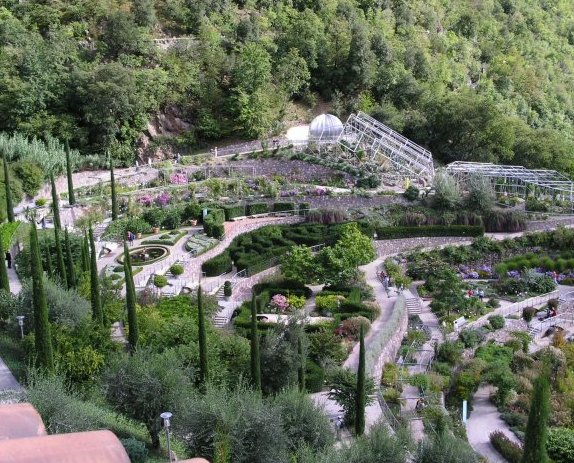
{"type": "Point", "coordinates": [325, 128]}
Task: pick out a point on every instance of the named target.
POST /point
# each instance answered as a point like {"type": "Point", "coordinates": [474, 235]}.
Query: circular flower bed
{"type": "Point", "coordinates": [146, 255]}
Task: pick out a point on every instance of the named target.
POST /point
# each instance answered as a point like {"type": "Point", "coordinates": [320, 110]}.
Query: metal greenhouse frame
{"type": "Point", "coordinates": [381, 149]}
{"type": "Point", "coordinates": [519, 181]}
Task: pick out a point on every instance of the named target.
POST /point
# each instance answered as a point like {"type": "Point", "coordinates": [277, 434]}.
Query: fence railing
{"type": "Point", "coordinates": [514, 308]}
{"type": "Point", "coordinates": [387, 412]}
{"type": "Point", "coordinates": [540, 327]}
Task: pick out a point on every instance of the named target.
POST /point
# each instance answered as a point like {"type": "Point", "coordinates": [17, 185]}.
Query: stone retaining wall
{"type": "Point", "coordinates": [391, 347]}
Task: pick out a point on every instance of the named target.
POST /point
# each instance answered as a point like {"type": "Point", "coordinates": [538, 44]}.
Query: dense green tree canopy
{"type": "Point", "coordinates": [486, 81]}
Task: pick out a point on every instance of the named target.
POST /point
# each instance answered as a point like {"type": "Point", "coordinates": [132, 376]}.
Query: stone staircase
{"type": "Point", "coordinates": [414, 306]}
{"type": "Point", "coordinates": [220, 321]}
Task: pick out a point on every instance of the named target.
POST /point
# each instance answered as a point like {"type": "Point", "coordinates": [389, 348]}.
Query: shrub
{"type": "Point", "coordinates": [351, 326]}
{"type": "Point", "coordinates": [496, 321]}
{"type": "Point", "coordinates": [31, 176]}
{"type": "Point", "coordinates": [117, 230]}
{"type": "Point", "coordinates": [234, 211]}
{"type": "Point", "coordinates": [172, 218]}
{"type": "Point", "coordinates": [326, 216]}
{"type": "Point", "coordinates": [493, 303]}
{"type": "Point", "coordinates": [508, 449]}
{"type": "Point", "coordinates": [154, 216]}
{"type": "Point", "coordinates": [135, 449]}
{"type": "Point", "coordinates": [561, 445]}
{"type": "Point", "coordinates": [160, 281]}
{"type": "Point", "coordinates": [176, 269]}
{"type": "Point", "coordinates": [388, 233]}
{"type": "Point", "coordinates": [314, 377]}
{"type": "Point", "coordinates": [411, 193]}
{"type": "Point", "coordinates": [471, 338]}
{"type": "Point", "coordinates": [281, 207]}
{"type": "Point", "coordinates": [528, 313]}
{"type": "Point", "coordinates": [372, 181]}
{"type": "Point", "coordinates": [327, 303]}
{"type": "Point", "coordinates": [213, 223]}
{"type": "Point", "coordinates": [227, 288]}
{"type": "Point", "coordinates": [447, 194]}
{"type": "Point", "coordinates": [40, 202]}
{"type": "Point", "coordinates": [504, 221]}
{"type": "Point", "coordinates": [217, 265]}
{"type": "Point", "coordinates": [450, 352]}
{"type": "Point", "coordinates": [257, 208]}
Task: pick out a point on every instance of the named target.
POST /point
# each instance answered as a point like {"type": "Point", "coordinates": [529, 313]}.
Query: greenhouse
{"type": "Point", "coordinates": [325, 128]}
{"type": "Point", "coordinates": [542, 189]}
{"type": "Point", "coordinates": [384, 150]}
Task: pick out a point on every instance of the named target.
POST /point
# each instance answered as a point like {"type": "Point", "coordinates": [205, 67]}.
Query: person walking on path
{"type": "Point", "coordinates": [9, 259]}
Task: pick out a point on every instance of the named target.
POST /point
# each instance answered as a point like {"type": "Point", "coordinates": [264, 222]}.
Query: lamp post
{"type": "Point", "coordinates": [166, 416]}
{"type": "Point", "coordinates": [20, 319]}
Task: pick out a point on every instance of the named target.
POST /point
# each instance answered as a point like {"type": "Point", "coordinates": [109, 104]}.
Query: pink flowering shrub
{"type": "Point", "coordinates": [163, 199]}
{"type": "Point", "coordinates": [145, 200]}
{"type": "Point", "coordinates": [279, 302]}
{"type": "Point", "coordinates": [178, 179]}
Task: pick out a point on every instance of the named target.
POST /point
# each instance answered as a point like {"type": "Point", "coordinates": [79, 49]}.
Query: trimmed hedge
{"type": "Point", "coordinates": [282, 207]}
{"type": "Point", "coordinates": [256, 208]}
{"type": "Point", "coordinates": [234, 211]}
{"type": "Point", "coordinates": [388, 233]}
{"type": "Point", "coordinates": [260, 249]}
{"type": "Point", "coordinates": [213, 223]}
{"type": "Point", "coordinates": [508, 449]}
{"type": "Point", "coordinates": [304, 208]}
{"type": "Point", "coordinates": [283, 285]}
{"type": "Point", "coordinates": [314, 377]}
{"type": "Point", "coordinates": [217, 265]}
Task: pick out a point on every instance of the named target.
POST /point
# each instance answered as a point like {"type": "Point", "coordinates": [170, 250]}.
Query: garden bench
{"type": "Point", "coordinates": [237, 219]}
{"type": "Point", "coordinates": [459, 323]}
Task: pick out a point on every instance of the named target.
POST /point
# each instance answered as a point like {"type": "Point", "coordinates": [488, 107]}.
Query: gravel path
{"type": "Point", "coordinates": [484, 420]}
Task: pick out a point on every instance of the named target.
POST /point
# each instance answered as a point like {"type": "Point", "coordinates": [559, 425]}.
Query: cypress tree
{"type": "Point", "coordinates": [203, 371]}
{"type": "Point", "coordinates": [55, 205]}
{"type": "Point", "coordinates": [133, 333]}
{"type": "Point", "coordinates": [85, 254]}
{"type": "Point", "coordinates": [114, 197]}
{"type": "Point", "coordinates": [43, 340]}
{"type": "Point", "coordinates": [9, 204]}
{"type": "Point", "coordinates": [301, 370]}
{"type": "Point", "coordinates": [60, 258]}
{"type": "Point", "coordinates": [97, 313]}
{"type": "Point", "coordinates": [360, 394]}
{"type": "Point", "coordinates": [70, 271]}
{"type": "Point", "coordinates": [537, 426]}
{"type": "Point", "coordinates": [255, 357]}
{"type": "Point", "coordinates": [71, 197]}
{"type": "Point", "coordinates": [4, 282]}
{"type": "Point", "coordinates": [48, 256]}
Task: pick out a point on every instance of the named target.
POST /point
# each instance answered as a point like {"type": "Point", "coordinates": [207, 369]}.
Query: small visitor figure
{"type": "Point", "coordinates": [9, 259]}
{"type": "Point", "coordinates": [131, 237]}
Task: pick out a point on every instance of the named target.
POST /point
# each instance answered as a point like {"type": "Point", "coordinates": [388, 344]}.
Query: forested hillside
{"type": "Point", "coordinates": [488, 80]}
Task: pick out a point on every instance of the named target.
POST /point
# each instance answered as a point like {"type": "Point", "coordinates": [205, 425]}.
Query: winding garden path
{"type": "Point", "coordinates": [485, 419]}
{"type": "Point", "coordinates": [7, 380]}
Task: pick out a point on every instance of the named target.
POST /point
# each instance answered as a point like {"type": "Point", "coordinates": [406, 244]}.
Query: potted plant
{"type": "Point", "coordinates": [176, 270]}
{"type": "Point", "coordinates": [160, 281]}
{"type": "Point", "coordinates": [227, 290]}
{"type": "Point", "coordinates": [139, 235]}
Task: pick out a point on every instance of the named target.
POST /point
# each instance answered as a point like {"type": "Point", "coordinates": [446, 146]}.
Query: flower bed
{"type": "Point", "coordinates": [167, 239]}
